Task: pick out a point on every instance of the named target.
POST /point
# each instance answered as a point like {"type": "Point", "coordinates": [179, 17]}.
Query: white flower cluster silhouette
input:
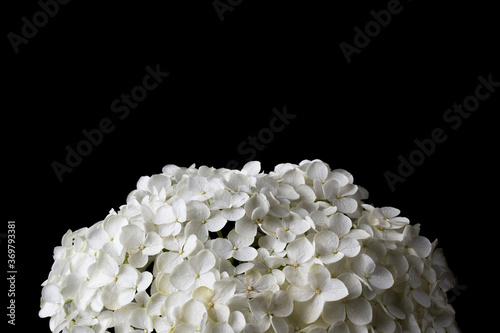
{"type": "Point", "coordinates": [218, 250]}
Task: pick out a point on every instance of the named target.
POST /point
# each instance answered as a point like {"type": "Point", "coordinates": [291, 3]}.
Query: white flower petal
{"type": "Point", "coordinates": [132, 236]}
{"type": "Point", "coordinates": [362, 265]}
{"type": "Point", "coordinates": [137, 258]}
{"type": "Point", "coordinates": [238, 199]}
{"type": "Point", "coordinates": [237, 321]}
{"type": "Point", "coordinates": [325, 242]}
{"type": "Point", "coordinates": [224, 290]}
{"type": "Point", "coordinates": [246, 227]}
{"type": "Point", "coordinates": [238, 240]}
{"type": "Point", "coordinates": [281, 304]}
{"type": "Point", "coordinates": [421, 245]}
{"type": "Point", "coordinates": [341, 327]}
{"type": "Point", "coordinates": [389, 212]}
{"type": "Point", "coordinates": [421, 298]}
{"type": "Point", "coordinates": [257, 206]}
{"type": "Point", "coordinates": [339, 223]}
{"type": "Point", "coordinates": [381, 278]}
{"type": "Point", "coordinates": [194, 312]}
{"type": "Point", "coordinates": [198, 229]}
{"type": "Point", "coordinates": [334, 311]}
{"type": "Point", "coordinates": [183, 328]}
{"type": "Point", "coordinates": [251, 168]}
{"type": "Point", "coordinates": [96, 238]}
{"type": "Point", "coordinates": [70, 285]}
{"type": "Point", "coordinates": [216, 222]}
{"type": "Point", "coordinates": [295, 275]}
{"type": "Point", "coordinates": [168, 261]}
{"type": "Point", "coordinates": [341, 176]}
{"type": "Point", "coordinates": [331, 258]}
{"type": "Point", "coordinates": [306, 193]}
{"type": "Point", "coordinates": [81, 329]}
{"type": "Point", "coordinates": [139, 318]}
{"type": "Point", "coordinates": [154, 304]}
{"type": "Point", "coordinates": [330, 189]}
{"type": "Point", "coordinates": [358, 234]}
{"type": "Point", "coordinates": [183, 276]}
{"type": "Point", "coordinates": [157, 183]}
{"type": "Point", "coordinates": [245, 254]}
{"type": "Point", "coordinates": [189, 245]}
{"type": "Point", "coordinates": [51, 294]}
{"type": "Point", "coordinates": [300, 250]}
{"type": "Point", "coordinates": [359, 311]}
{"type": "Point", "coordinates": [317, 275]}
{"type": "Point", "coordinates": [197, 210]}
{"type": "Point", "coordinates": [105, 271]}
{"type": "Point", "coordinates": [309, 311]}
{"type": "Point", "coordinates": [293, 177]}
{"type": "Point", "coordinates": [279, 325]}
{"type": "Point", "coordinates": [383, 322]}
{"type": "Point", "coordinates": [266, 283]}
{"type": "Point", "coordinates": [399, 262]}
{"type": "Point", "coordinates": [206, 279]}
{"type": "Point", "coordinates": [164, 214]}
{"type": "Point", "coordinates": [233, 213]}
{"type": "Point", "coordinates": [203, 294]}
{"type": "Point", "coordinates": [333, 290]}
{"type": "Point", "coordinates": [300, 293]}
{"type": "Point", "coordinates": [168, 229]}
{"type": "Point", "coordinates": [202, 262]}
{"type": "Point", "coordinates": [127, 277]}
{"type": "Point", "coordinates": [221, 312]}
{"type": "Point", "coordinates": [144, 281]}
{"type": "Point", "coordinates": [222, 247]}
{"type": "Point", "coordinates": [317, 170]}
{"type": "Point", "coordinates": [179, 210]}
{"type": "Point", "coordinates": [285, 236]}
{"type": "Point", "coordinates": [153, 244]}
{"type": "Point", "coordinates": [352, 284]}
{"type": "Point", "coordinates": [396, 311]}
{"type": "Point", "coordinates": [196, 183]}
{"type": "Point", "coordinates": [222, 328]}
{"type": "Point", "coordinates": [259, 306]}
{"type": "Point", "coordinates": [350, 247]}
{"type": "Point", "coordinates": [49, 310]}
{"type": "Point", "coordinates": [346, 205]}
{"type": "Point", "coordinates": [118, 299]}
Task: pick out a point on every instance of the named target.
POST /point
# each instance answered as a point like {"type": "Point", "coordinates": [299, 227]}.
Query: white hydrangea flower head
{"type": "Point", "coordinates": [234, 251]}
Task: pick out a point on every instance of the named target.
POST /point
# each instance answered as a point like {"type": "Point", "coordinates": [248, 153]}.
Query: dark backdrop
{"type": "Point", "coordinates": [229, 68]}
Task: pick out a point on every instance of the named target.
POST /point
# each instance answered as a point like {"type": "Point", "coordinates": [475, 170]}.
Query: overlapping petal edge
{"type": "Point", "coordinates": [218, 250]}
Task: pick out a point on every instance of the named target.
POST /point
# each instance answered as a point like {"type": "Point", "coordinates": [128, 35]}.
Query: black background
{"type": "Point", "coordinates": [225, 79]}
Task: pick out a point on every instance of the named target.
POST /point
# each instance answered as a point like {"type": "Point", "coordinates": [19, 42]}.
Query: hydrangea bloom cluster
{"type": "Point", "coordinates": [218, 250]}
